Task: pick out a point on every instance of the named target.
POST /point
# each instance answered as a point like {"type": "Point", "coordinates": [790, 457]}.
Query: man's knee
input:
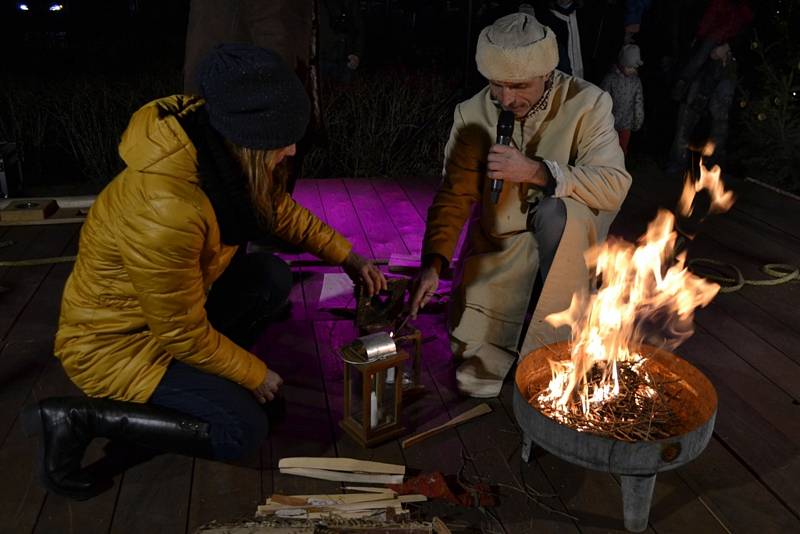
{"type": "Point", "coordinates": [549, 221]}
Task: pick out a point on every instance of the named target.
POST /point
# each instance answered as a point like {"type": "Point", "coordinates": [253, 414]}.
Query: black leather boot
{"type": "Point", "coordinates": [69, 424]}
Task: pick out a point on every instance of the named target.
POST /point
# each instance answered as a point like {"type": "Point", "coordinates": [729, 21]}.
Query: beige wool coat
{"type": "Point", "coordinates": [499, 268]}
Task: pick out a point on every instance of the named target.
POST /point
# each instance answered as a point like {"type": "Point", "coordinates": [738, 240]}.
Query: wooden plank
{"type": "Point", "coordinates": [472, 413]}
{"type": "Point", "coordinates": [154, 496]}
{"type": "Point", "coordinates": [290, 349]}
{"type": "Point", "coordinates": [677, 508]}
{"type": "Point", "coordinates": [410, 225]}
{"type": "Point", "coordinates": [383, 237]}
{"type": "Point", "coordinates": [342, 464]}
{"type": "Point", "coordinates": [341, 214]}
{"type": "Point", "coordinates": [341, 476]}
{"type": "Point", "coordinates": [758, 321]}
{"type": "Point", "coordinates": [768, 206]}
{"type": "Point", "coordinates": [29, 243]}
{"type": "Point", "coordinates": [421, 192]}
{"type": "Point", "coordinates": [755, 419]}
{"type": "Point", "coordinates": [734, 332]}
{"type": "Point", "coordinates": [734, 495]}
{"type": "Point", "coordinates": [224, 493]}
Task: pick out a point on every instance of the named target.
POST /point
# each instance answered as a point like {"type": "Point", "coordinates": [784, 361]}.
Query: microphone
{"type": "Point", "coordinates": [505, 129]}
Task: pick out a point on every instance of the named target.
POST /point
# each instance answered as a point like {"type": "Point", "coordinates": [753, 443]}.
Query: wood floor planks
{"type": "Point", "coordinates": [748, 343]}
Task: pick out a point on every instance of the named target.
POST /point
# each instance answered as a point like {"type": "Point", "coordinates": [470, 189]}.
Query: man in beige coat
{"type": "Point", "coordinates": [564, 181]}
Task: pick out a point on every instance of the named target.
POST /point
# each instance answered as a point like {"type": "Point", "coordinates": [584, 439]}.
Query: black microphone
{"type": "Point", "coordinates": [505, 129]}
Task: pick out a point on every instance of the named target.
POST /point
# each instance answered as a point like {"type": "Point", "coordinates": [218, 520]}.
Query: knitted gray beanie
{"type": "Point", "coordinates": [253, 99]}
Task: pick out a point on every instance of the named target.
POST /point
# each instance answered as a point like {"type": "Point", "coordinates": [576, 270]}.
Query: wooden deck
{"type": "Point", "coordinates": [747, 342]}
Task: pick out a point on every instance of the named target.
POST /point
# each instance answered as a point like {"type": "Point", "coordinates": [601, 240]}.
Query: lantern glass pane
{"type": "Point", "coordinates": [382, 398]}
{"type": "Point", "coordinates": [356, 398]}
{"type": "Point", "coordinates": [406, 340]}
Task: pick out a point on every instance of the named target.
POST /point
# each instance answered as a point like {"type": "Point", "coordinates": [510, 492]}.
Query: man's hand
{"type": "Point", "coordinates": [508, 163]}
{"type": "Point", "coordinates": [425, 285]}
{"type": "Point", "coordinates": [353, 61]}
{"type": "Point", "coordinates": [361, 270]}
{"type": "Point", "coordinates": [267, 390]}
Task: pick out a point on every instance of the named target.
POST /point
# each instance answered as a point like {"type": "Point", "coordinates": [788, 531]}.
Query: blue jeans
{"type": "Point", "coordinates": [250, 291]}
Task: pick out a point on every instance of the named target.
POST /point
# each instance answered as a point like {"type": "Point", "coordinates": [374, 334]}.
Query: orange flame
{"type": "Point", "coordinates": [642, 288]}
{"type": "Point", "coordinates": [721, 200]}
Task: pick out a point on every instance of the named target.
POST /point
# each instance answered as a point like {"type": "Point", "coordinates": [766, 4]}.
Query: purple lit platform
{"type": "Point", "coordinates": [747, 343]}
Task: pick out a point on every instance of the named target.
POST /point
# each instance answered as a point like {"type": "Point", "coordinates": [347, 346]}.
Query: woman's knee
{"type": "Point", "coordinates": [275, 276]}
{"type": "Point", "coordinates": [239, 436]}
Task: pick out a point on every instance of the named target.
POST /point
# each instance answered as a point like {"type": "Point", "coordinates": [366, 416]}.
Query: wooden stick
{"type": "Point", "coordinates": [342, 464]}
{"type": "Point", "coordinates": [457, 420]}
{"type": "Point", "coordinates": [338, 498]}
{"type": "Point", "coordinates": [367, 489]}
{"type": "Point", "coordinates": [341, 476]}
{"type": "Point", "coordinates": [345, 507]}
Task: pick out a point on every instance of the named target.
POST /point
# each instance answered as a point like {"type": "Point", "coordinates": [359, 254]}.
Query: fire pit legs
{"type": "Point", "coordinates": [637, 493]}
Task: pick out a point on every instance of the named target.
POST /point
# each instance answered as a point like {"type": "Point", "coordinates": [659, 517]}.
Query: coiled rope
{"type": "Point", "coordinates": [781, 273]}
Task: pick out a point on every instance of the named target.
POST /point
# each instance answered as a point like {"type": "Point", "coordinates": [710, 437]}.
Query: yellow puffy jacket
{"type": "Point", "coordinates": [149, 251]}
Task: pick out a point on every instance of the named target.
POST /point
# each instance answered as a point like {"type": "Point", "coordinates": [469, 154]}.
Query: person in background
{"type": "Point", "coordinates": [707, 82]}
{"type": "Point", "coordinates": [341, 39]}
{"type": "Point", "coordinates": [562, 18]}
{"type": "Point", "coordinates": [564, 180]}
{"type": "Point", "coordinates": [634, 11]}
{"type": "Point", "coordinates": [623, 84]}
{"type": "Point", "coordinates": [154, 313]}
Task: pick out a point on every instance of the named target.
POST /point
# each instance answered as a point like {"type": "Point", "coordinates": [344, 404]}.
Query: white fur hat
{"type": "Point", "coordinates": [629, 56]}
{"type": "Point", "coordinates": [516, 48]}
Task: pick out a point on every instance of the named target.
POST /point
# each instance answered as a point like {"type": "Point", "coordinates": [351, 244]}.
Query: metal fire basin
{"type": "Point", "coordinates": [636, 462]}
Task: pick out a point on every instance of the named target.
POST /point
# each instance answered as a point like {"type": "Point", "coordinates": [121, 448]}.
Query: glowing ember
{"type": "Point", "coordinates": [643, 288]}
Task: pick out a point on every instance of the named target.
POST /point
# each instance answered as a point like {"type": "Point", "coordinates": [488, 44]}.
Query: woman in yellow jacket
{"type": "Point", "coordinates": [149, 323]}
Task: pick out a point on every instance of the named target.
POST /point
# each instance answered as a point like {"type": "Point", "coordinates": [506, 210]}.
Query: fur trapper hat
{"type": "Point", "coordinates": [516, 48]}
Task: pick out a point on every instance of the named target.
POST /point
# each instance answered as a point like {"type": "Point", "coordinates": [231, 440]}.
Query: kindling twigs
{"type": "Point", "coordinates": [639, 412]}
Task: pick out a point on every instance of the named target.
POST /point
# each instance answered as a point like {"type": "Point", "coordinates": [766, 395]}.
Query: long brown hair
{"type": "Point", "coordinates": [266, 179]}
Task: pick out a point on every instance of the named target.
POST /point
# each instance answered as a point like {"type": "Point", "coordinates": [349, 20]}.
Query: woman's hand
{"type": "Point", "coordinates": [361, 270]}
{"type": "Point", "coordinates": [267, 390]}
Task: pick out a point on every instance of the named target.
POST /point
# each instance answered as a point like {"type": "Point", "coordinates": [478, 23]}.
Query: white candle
{"type": "Point", "coordinates": [373, 410]}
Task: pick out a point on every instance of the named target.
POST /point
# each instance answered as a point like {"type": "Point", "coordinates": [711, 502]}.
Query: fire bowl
{"type": "Point", "coordinates": [637, 462]}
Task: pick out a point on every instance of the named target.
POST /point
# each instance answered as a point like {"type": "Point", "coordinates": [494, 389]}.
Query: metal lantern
{"type": "Point", "coordinates": [381, 314]}
{"type": "Point", "coordinates": [373, 394]}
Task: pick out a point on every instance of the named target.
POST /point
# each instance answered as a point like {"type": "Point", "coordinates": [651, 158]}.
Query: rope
{"type": "Point", "coordinates": [781, 273]}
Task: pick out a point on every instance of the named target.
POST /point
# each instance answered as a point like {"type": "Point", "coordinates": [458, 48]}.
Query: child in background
{"type": "Point", "coordinates": [623, 84]}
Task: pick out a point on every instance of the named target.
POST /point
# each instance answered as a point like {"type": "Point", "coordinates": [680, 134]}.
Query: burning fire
{"type": "Point", "coordinates": [642, 287]}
